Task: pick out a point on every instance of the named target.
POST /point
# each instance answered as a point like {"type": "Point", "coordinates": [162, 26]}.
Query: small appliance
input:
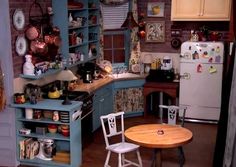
{"type": "Point", "coordinates": [166, 63]}
{"type": "Point", "coordinates": [46, 149]}
{"type": "Point", "coordinates": [88, 77]}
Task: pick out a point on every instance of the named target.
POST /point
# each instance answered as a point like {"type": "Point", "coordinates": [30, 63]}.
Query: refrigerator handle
{"type": "Point", "coordinates": [185, 76]}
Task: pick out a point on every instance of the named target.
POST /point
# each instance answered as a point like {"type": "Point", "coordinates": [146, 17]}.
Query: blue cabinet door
{"type": "Point", "coordinates": [102, 104]}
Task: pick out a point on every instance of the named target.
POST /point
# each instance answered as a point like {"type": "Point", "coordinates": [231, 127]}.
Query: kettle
{"type": "Point", "coordinates": [54, 93]}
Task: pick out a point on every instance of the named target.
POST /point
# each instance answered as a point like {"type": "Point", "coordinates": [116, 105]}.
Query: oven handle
{"type": "Point", "coordinates": [86, 114]}
{"type": "Point", "coordinates": [76, 115]}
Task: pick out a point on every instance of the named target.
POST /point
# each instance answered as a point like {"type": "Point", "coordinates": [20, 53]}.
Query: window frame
{"type": "Point", "coordinates": [127, 40]}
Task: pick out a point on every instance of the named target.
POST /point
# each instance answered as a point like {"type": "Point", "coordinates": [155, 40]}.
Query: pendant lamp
{"type": "Point", "coordinates": [129, 21]}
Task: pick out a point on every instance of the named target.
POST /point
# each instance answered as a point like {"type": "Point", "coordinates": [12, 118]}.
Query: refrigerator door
{"type": "Point", "coordinates": [204, 52]}
{"type": "Point", "coordinates": [200, 90]}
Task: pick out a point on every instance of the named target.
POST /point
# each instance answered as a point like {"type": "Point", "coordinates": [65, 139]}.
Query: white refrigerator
{"type": "Point", "coordinates": [201, 67]}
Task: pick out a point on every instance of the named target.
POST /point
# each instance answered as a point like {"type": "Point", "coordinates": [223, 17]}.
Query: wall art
{"type": "Point", "coordinates": [155, 31]}
{"type": "Point", "coordinates": [155, 9]}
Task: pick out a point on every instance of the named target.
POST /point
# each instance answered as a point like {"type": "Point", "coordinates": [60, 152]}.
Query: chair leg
{"type": "Point", "coordinates": [123, 159]}
{"type": "Point", "coordinates": [107, 159]}
{"type": "Point", "coordinates": [119, 161]}
{"type": "Point", "coordinates": [181, 156]}
{"type": "Point", "coordinates": [139, 158]}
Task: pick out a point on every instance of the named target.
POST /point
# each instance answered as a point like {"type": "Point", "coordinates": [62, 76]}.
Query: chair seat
{"type": "Point", "coordinates": [122, 147]}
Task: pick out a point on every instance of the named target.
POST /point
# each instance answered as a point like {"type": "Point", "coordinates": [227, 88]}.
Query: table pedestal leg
{"type": "Point", "coordinates": [156, 162]}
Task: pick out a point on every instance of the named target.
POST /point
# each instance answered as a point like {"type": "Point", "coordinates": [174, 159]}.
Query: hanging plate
{"type": "Point", "coordinates": [19, 19]}
{"type": "Point", "coordinates": [21, 45]}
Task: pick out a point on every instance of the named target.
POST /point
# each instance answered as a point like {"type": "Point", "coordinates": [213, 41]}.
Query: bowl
{"type": "Point", "coordinates": [47, 114]}
{"type": "Point", "coordinates": [65, 132]}
{"type": "Point", "coordinates": [52, 128]}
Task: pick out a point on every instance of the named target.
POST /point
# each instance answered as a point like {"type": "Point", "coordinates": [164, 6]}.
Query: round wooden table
{"type": "Point", "coordinates": [158, 136]}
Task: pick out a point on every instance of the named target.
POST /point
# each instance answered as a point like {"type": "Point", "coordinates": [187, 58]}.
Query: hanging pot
{"type": "Point", "coordinates": [32, 32]}
{"type": "Point", "coordinates": [38, 46]}
{"type": "Point", "coordinates": [52, 40]}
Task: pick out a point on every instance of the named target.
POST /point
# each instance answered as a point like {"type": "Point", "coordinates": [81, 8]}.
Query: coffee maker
{"type": "Point", "coordinates": [88, 72]}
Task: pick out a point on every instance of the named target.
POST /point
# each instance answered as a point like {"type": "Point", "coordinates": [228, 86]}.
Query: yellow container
{"type": "Point", "coordinates": [154, 65]}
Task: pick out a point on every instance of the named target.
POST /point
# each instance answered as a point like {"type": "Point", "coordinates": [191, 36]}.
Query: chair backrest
{"type": "Point", "coordinates": [174, 114]}
{"type": "Point", "coordinates": [112, 125]}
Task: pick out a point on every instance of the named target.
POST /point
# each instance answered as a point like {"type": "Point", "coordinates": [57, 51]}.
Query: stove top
{"type": "Point", "coordinates": [72, 95]}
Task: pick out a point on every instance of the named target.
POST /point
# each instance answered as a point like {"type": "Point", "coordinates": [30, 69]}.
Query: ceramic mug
{"type": "Point", "coordinates": [29, 113]}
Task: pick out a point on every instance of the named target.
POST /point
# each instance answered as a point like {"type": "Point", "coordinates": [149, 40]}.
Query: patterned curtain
{"type": "Point", "coordinates": [135, 43]}
{"type": "Point", "coordinates": [101, 57]}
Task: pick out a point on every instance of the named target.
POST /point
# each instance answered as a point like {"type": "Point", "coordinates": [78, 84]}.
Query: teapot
{"type": "Point", "coordinates": [54, 93]}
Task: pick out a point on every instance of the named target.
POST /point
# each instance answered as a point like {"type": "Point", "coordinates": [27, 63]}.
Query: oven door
{"type": "Point", "coordinates": [87, 128]}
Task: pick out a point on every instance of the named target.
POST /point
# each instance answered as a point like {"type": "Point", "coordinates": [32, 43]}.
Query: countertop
{"type": "Point", "coordinates": [96, 84]}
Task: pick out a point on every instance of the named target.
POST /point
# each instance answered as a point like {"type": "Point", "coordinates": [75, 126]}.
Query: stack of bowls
{"type": "Point", "coordinates": [64, 117]}
{"type": "Point", "coordinates": [52, 128]}
{"type": "Point", "coordinates": [65, 130]}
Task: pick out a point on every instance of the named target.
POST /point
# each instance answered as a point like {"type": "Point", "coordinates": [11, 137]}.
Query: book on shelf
{"type": "Point", "coordinates": [28, 148]}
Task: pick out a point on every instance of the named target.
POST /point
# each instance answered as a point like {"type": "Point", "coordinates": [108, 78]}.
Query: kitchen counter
{"type": "Point", "coordinates": [96, 84]}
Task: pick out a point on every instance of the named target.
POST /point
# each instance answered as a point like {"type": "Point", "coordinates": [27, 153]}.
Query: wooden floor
{"type": "Point", "coordinates": [198, 153]}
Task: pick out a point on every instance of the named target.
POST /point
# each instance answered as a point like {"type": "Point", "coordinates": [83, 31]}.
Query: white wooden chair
{"type": "Point", "coordinates": [175, 116]}
{"type": "Point", "coordinates": [110, 130]}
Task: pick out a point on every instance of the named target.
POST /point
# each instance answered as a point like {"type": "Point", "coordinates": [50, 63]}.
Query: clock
{"type": "Point", "coordinates": [21, 45]}
{"type": "Point", "coordinates": [19, 19]}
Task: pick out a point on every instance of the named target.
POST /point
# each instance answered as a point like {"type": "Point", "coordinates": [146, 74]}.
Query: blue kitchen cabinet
{"type": "Point", "coordinates": [102, 104]}
{"type": "Point", "coordinates": [70, 144]}
{"type": "Point", "coordinates": [128, 96]}
{"type": "Point", "coordinates": [80, 36]}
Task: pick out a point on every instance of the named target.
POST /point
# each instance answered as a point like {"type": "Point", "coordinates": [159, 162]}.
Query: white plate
{"type": "Point", "coordinates": [21, 45]}
{"type": "Point", "coordinates": [19, 19]}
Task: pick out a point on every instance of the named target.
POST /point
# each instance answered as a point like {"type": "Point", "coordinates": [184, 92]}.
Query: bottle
{"type": "Point", "coordinates": [28, 67]}
{"type": "Point", "coordinates": [70, 18]}
{"type": "Point", "coordinates": [141, 67]}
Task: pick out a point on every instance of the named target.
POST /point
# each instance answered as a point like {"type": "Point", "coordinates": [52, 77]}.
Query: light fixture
{"type": "Point", "coordinates": [129, 21]}
{"type": "Point", "coordinates": [66, 76]}
{"type": "Point", "coordinates": [147, 60]}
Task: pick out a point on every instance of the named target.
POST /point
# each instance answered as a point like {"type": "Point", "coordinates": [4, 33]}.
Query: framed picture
{"type": "Point", "coordinates": [155, 9]}
{"type": "Point", "coordinates": [155, 31]}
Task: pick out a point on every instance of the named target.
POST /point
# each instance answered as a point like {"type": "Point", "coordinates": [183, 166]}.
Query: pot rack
{"type": "Point", "coordinates": [39, 19]}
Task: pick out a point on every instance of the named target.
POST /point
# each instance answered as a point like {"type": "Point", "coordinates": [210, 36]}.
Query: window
{"type": "Point", "coordinates": [116, 45]}
{"type": "Point", "coordinates": [115, 48]}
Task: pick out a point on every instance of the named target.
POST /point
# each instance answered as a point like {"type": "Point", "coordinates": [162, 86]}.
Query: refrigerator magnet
{"type": "Point", "coordinates": [205, 54]}
{"type": "Point", "coordinates": [199, 68]}
{"type": "Point", "coordinates": [218, 59]}
{"type": "Point", "coordinates": [210, 60]}
{"type": "Point", "coordinates": [195, 55]}
{"type": "Point", "coordinates": [212, 70]}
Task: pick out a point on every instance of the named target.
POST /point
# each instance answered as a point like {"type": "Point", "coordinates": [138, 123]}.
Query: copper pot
{"type": "Point", "coordinates": [52, 40]}
{"type": "Point", "coordinates": [32, 33]}
{"type": "Point", "coordinates": [39, 47]}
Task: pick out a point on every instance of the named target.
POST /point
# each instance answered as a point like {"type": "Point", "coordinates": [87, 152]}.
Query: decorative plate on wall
{"type": "Point", "coordinates": [19, 19]}
{"type": "Point", "coordinates": [21, 45]}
